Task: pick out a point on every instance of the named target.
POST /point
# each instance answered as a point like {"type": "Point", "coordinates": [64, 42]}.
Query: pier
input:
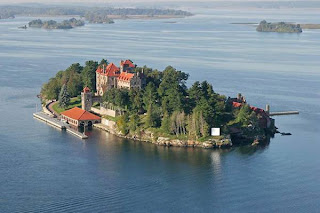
{"type": "Point", "coordinates": [58, 124]}
{"type": "Point", "coordinates": [284, 113]}
{"type": "Point", "coordinates": [280, 113]}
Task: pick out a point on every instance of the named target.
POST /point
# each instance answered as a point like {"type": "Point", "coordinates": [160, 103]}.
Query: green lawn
{"type": "Point", "coordinates": [110, 118]}
{"type": "Point", "coordinates": [74, 102]}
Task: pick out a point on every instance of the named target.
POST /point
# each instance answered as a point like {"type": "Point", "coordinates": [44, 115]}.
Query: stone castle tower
{"type": "Point", "coordinates": [86, 99]}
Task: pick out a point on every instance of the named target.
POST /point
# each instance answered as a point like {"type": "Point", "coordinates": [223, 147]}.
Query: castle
{"type": "Point", "coordinates": [111, 76]}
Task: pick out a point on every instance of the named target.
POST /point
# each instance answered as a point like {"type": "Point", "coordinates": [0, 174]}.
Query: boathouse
{"type": "Point", "coordinates": [79, 117]}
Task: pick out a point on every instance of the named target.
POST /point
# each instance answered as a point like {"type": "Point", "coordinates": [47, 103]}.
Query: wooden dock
{"type": "Point", "coordinates": [284, 113]}
{"type": "Point", "coordinates": [58, 124]}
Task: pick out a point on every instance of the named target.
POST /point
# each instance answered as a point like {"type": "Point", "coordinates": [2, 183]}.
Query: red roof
{"type": "Point", "coordinates": [127, 62]}
{"type": "Point", "coordinates": [255, 109]}
{"type": "Point", "coordinates": [110, 70]}
{"type": "Point", "coordinates": [125, 76]}
{"type": "Point", "coordinates": [236, 104]}
{"type": "Point", "coordinates": [80, 114]}
{"type": "Point", "coordinates": [86, 89]}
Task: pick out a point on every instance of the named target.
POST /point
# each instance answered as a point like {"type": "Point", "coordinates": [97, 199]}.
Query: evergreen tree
{"type": "Point", "coordinates": [165, 123]}
{"type": "Point", "coordinates": [104, 62]}
{"type": "Point", "coordinates": [136, 103]}
{"type": "Point", "coordinates": [150, 95]}
{"type": "Point", "coordinates": [243, 117]}
{"type": "Point", "coordinates": [134, 122]}
{"type": "Point", "coordinates": [172, 90]}
{"type": "Point", "coordinates": [153, 118]}
{"type": "Point", "coordinates": [122, 124]}
{"type": "Point", "coordinates": [64, 98]}
{"type": "Point", "coordinates": [89, 74]}
{"type": "Point", "coordinates": [75, 68]}
{"type": "Point", "coordinates": [122, 98]}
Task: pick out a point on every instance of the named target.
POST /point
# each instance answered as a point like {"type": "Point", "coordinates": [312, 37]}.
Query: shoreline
{"type": "Point", "coordinates": [164, 141]}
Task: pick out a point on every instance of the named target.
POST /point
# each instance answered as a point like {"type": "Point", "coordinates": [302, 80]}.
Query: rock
{"type": "Point", "coordinates": [255, 142]}
{"type": "Point", "coordinates": [284, 133]}
{"type": "Point", "coordinates": [208, 144]}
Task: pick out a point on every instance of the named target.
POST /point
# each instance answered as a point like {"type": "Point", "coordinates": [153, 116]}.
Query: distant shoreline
{"type": "Point", "coordinates": [110, 16]}
{"type": "Point", "coordinates": [146, 16]}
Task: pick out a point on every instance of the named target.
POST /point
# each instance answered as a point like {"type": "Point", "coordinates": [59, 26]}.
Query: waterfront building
{"type": "Point", "coordinates": [79, 117]}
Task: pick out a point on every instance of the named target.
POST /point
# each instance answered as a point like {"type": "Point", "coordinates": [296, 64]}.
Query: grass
{"type": "Point", "coordinates": [96, 105]}
{"type": "Point", "coordinates": [108, 117]}
{"type": "Point", "coordinates": [74, 102]}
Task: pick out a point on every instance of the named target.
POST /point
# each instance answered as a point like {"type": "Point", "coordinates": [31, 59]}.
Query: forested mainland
{"type": "Point", "coordinates": [88, 12]}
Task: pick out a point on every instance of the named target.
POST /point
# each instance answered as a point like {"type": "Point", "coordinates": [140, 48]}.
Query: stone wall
{"type": "Point", "coordinates": [108, 123]}
{"type": "Point", "coordinates": [104, 111]}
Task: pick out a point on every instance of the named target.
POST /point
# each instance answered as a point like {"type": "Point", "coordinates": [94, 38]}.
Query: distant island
{"type": "Point", "coordinates": [51, 24]}
{"type": "Point", "coordinates": [6, 14]}
{"type": "Point", "coordinates": [303, 26]}
{"type": "Point", "coordinates": [99, 18]}
{"type": "Point", "coordinates": [92, 14]}
{"type": "Point", "coordinates": [145, 104]}
{"type": "Point", "coordinates": [279, 27]}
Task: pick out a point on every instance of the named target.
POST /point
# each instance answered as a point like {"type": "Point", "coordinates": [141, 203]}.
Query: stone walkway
{"type": "Point", "coordinates": [49, 107]}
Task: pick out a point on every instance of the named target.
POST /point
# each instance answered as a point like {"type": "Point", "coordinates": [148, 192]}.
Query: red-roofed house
{"type": "Point", "coordinates": [106, 77]}
{"type": "Point", "coordinates": [79, 117]}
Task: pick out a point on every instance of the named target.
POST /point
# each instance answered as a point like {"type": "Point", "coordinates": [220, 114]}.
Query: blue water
{"type": "Point", "coordinates": [45, 170]}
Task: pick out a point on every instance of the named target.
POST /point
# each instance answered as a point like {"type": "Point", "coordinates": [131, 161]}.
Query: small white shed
{"type": "Point", "coordinates": [215, 131]}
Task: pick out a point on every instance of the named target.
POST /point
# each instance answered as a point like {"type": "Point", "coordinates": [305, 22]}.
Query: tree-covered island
{"type": "Point", "coordinates": [161, 107]}
{"type": "Point", "coordinates": [280, 27]}
{"type": "Point", "coordinates": [51, 24]}
{"type": "Point", "coordinates": [98, 18]}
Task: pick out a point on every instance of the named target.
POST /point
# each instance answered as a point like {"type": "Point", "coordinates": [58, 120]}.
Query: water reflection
{"type": "Point", "coordinates": [109, 144]}
{"type": "Point", "coordinates": [251, 149]}
{"type": "Point", "coordinates": [216, 163]}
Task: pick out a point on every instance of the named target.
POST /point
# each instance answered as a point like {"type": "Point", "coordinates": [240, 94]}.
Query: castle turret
{"type": "Point", "coordinates": [268, 109]}
{"type": "Point", "coordinates": [86, 99]}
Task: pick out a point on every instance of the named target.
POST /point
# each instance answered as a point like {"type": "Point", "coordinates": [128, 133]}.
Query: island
{"type": "Point", "coordinates": [99, 18]}
{"type": "Point", "coordinates": [280, 27]}
{"type": "Point", "coordinates": [146, 104]}
{"type": "Point", "coordinates": [5, 15]}
{"type": "Point", "coordinates": [51, 24]}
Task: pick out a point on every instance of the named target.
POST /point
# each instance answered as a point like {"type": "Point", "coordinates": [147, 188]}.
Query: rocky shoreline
{"type": "Point", "coordinates": [147, 136]}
